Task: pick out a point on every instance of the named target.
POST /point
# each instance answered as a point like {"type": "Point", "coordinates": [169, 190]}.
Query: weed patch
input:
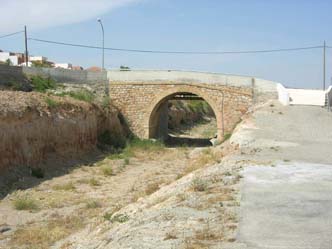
{"type": "Point", "coordinates": [115, 141]}
{"type": "Point", "coordinates": [40, 237]}
{"type": "Point", "coordinates": [227, 136]}
{"type": "Point", "coordinates": [65, 187]}
{"type": "Point", "coordinates": [41, 84]}
{"type": "Point", "coordinates": [93, 204]}
{"type": "Point", "coordinates": [199, 185]}
{"type": "Point", "coordinates": [51, 103]}
{"type": "Point", "coordinates": [94, 182]}
{"type": "Point", "coordinates": [25, 203]}
{"type": "Point", "coordinates": [83, 95]}
{"type": "Point", "coordinates": [37, 172]}
{"type": "Point", "coordinates": [107, 170]}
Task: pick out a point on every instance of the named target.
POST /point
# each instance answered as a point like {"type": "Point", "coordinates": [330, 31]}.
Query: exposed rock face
{"type": "Point", "coordinates": [34, 126]}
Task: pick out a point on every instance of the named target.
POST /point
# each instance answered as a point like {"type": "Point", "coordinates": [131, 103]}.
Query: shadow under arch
{"type": "Point", "coordinates": [154, 123]}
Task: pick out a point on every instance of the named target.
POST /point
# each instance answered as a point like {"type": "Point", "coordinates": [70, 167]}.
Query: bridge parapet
{"type": "Point", "coordinates": [260, 86]}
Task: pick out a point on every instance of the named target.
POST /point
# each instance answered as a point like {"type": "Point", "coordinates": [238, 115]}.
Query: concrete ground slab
{"type": "Point", "coordinates": [286, 206]}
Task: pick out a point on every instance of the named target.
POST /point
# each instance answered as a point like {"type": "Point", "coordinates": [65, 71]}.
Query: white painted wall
{"type": "Point", "coordinates": [63, 65]}
{"type": "Point", "coordinates": [37, 58]}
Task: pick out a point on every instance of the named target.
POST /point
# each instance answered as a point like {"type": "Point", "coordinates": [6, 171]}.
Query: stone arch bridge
{"type": "Point", "coordinates": [141, 97]}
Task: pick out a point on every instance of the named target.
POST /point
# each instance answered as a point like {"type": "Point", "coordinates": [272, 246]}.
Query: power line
{"type": "Point", "coordinates": [11, 34]}
{"type": "Point", "coordinates": [178, 52]}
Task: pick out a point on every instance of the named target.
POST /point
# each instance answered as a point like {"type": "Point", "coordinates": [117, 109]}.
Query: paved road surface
{"type": "Point", "coordinates": [287, 202]}
{"type": "Point", "coordinates": [287, 206]}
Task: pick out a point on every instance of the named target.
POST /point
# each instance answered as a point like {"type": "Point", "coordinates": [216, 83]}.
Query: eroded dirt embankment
{"type": "Point", "coordinates": [35, 127]}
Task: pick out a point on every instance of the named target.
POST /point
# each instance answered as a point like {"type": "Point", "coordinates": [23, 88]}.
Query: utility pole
{"type": "Point", "coordinates": [26, 46]}
{"type": "Point", "coordinates": [324, 65]}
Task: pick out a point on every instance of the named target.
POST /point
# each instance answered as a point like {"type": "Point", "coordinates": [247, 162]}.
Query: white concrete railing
{"type": "Point", "coordinates": [283, 94]}
{"type": "Point", "coordinates": [290, 96]}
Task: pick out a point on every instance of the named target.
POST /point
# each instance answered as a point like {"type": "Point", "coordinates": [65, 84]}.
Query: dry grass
{"type": "Point", "coordinates": [151, 188]}
{"type": "Point", "coordinates": [207, 157]}
{"type": "Point", "coordinates": [199, 185]}
{"type": "Point", "coordinates": [220, 198]}
{"type": "Point", "coordinates": [190, 243]}
{"type": "Point", "coordinates": [43, 236]}
{"type": "Point", "coordinates": [92, 204]}
{"type": "Point", "coordinates": [94, 182]}
{"type": "Point", "coordinates": [69, 186]}
{"type": "Point", "coordinates": [170, 236]}
{"type": "Point", "coordinates": [107, 170]}
{"type": "Point", "coordinates": [58, 200]}
{"type": "Point", "coordinates": [25, 203]}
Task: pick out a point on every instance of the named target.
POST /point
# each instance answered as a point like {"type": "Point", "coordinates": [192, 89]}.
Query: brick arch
{"type": "Point", "coordinates": [160, 98]}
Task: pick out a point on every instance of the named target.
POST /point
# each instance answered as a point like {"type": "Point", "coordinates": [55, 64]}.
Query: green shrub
{"type": "Point", "coordinates": [121, 218]}
{"type": "Point", "coordinates": [114, 140]}
{"type": "Point", "coordinates": [107, 170]}
{"type": "Point", "coordinates": [106, 102]}
{"type": "Point", "coordinates": [83, 95]}
{"type": "Point", "coordinates": [199, 106]}
{"type": "Point", "coordinates": [108, 215]}
{"type": "Point", "coordinates": [146, 144]}
{"type": "Point", "coordinates": [93, 204]}
{"type": "Point", "coordinates": [41, 84]}
{"type": "Point", "coordinates": [227, 136]}
{"type": "Point", "coordinates": [136, 145]}
{"type": "Point", "coordinates": [126, 161]}
{"type": "Point", "coordinates": [37, 172]}
{"type": "Point", "coordinates": [199, 185]}
{"type": "Point", "coordinates": [51, 103]}
{"type": "Point", "coordinates": [66, 187]}
{"type": "Point", "coordinates": [25, 203]}
{"type": "Point", "coordinates": [94, 182]}
{"type": "Point", "coordinates": [41, 64]}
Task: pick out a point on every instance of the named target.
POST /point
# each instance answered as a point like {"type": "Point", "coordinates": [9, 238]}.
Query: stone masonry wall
{"type": "Point", "coordinates": [138, 102]}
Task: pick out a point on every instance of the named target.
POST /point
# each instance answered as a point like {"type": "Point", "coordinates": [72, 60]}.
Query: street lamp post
{"type": "Point", "coordinates": [102, 29]}
{"type": "Point", "coordinates": [103, 56]}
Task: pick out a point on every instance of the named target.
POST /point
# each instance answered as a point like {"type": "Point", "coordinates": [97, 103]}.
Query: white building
{"type": "Point", "coordinates": [37, 58]}
{"type": "Point", "coordinates": [63, 65]}
{"type": "Point", "coordinates": [5, 56]}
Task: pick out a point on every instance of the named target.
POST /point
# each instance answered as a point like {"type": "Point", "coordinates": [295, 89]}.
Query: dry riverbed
{"type": "Point", "coordinates": [152, 197]}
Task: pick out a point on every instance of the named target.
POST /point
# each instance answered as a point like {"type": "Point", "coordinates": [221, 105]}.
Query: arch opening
{"type": "Point", "coordinates": [184, 118]}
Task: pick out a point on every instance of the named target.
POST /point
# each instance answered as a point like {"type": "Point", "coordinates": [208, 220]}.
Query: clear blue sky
{"type": "Point", "coordinates": [212, 25]}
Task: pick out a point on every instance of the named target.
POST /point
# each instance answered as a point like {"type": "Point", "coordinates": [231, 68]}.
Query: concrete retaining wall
{"type": "Point", "coordinates": [66, 75]}
{"type": "Point", "coordinates": [11, 73]}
